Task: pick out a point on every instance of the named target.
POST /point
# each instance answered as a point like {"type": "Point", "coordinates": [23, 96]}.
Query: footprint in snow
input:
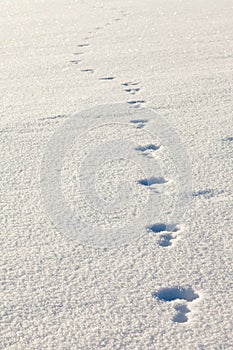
{"type": "Point", "coordinates": [136, 103]}
{"type": "Point", "coordinates": [75, 61]}
{"type": "Point", "coordinates": [147, 150]}
{"type": "Point", "coordinates": [107, 78]}
{"type": "Point", "coordinates": [229, 138]}
{"type": "Point", "coordinates": [165, 233]}
{"type": "Point", "coordinates": [132, 91]}
{"type": "Point", "coordinates": [207, 193]}
{"type": "Point", "coordinates": [53, 117]}
{"type": "Point", "coordinates": [183, 295]}
{"type": "Point", "coordinates": [131, 87]}
{"type": "Point", "coordinates": [89, 70]}
{"type": "Point", "coordinates": [130, 83]}
{"type": "Point", "coordinates": [180, 316]}
{"type": "Point", "coordinates": [83, 45]}
{"type": "Point", "coordinates": [203, 193]}
{"type": "Point", "coordinates": [152, 181]}
{"type": "Point", "coordinates": [139, 123]}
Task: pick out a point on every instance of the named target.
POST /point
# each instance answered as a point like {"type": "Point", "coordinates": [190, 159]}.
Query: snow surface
{"type": "Point", "coordinates": [116, 174]}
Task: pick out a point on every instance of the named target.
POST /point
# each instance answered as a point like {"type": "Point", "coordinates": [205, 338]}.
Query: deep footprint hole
{"type": "Point", "coordinates": [180, 318]}
{"type": "Point", "coordinates": [161, 227]}
{"type": "Point", "coordinates": [107, 78]}
{"type": "Point", "coordinates": [149, 147]}
{"type": "Point", "coordinates": [176, 293]}
{"type": "Point", "coordinates": [135, 102]}
{"type": "Point", "coordinates": [182, 310]}
{"type": "Point", "coordinates": [165, 241]}
{"type": "Point", "coordinates": [229, 138]}
{"type": "Point", "coordinates": [136, 121]}
{"type": "Point", "coordinates": [152, 181]}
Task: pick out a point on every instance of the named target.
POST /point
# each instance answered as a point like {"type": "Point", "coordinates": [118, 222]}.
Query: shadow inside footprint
{"type": "Point", "coordinates": [75, 61]}
{"type": "Point", "coordinates": [170, 294]}
{"type": "Point", "coordinates": [132, 91]}
{"type": "Point", "coordinates": [107, 78]}
{"type": "Point", "coordinates": [160, 227]}
{"type": "Point", "coordinates": [165, 240]}
{"type": "Point", "coordinates": [182, 310]}
{"type": "Point", "coordinates": [135, 102]}
{"type": "Point", "coordinates": [88, 70]}
{"type": "Point", "coordinates": [83, 45]}
{"type": "Point", "coordinates": [136, 121]}
{"type": "Point", "coordinates": [53, 117]}
{"type": "Point", "coordinates": [229, 138]}
{"type": "Point", "coordinates": [130, 83]}
{"type": "Point", "coordinates": [139, 123]}
{"type": "Point", "coordinates": [147, 148]}
{"type": "Point", "coordinates": [152, 181]}
{"type": "Point", "coordinates": [180, 318]}
{"type": "Point", "coordinates": [203, 193]}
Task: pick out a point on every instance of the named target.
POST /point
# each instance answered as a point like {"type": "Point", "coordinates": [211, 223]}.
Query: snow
{"type": "Point", "coordinates": [116, 174]}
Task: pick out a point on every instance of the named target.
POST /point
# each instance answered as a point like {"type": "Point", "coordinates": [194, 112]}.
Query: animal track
{"type": "Point", "coordinates": [129, 87]}
{"type": "Point", "coordinates": [152, 181]}
{"type": "Point", "coordinates": [130, 83]}
{"type": "Point", "coordinates": [187, 295]}
{"type": "Point", "coordinates": [166, 233]}
{"type": "Point", "coordinates": [203, 193]}
{"type": "Point", "coordinates": [229, 138]}
{"type": "Point", "coordinates": [107, 78]}
{"type": "Point", "coordinates": [182, 310]}
{"type": "Point", "coordinates": [136, 103]}
{"type": "Point", "coordinates": [87, 70]}
{"type": "Point", "coordinates": [174, 293]}
{"type": "Point", "coordinates": [158, 228]}
{"type": "Point", "coordinates": [147, 148]}
{"type": "Point", "coordinates": [208, 193]}
{"type": "Point", "coordinates": [53, 117]}
{"type": "Point", "coordinates": [75, 61]}
{"type": "Point", "coordinates": [165, 240]}
{"type": "Point", "coordinates": [83, 45]}
{"type": "Point", "coordinates": [139, 123]}
{"type": "Point", "coordinates": [132, 91]}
